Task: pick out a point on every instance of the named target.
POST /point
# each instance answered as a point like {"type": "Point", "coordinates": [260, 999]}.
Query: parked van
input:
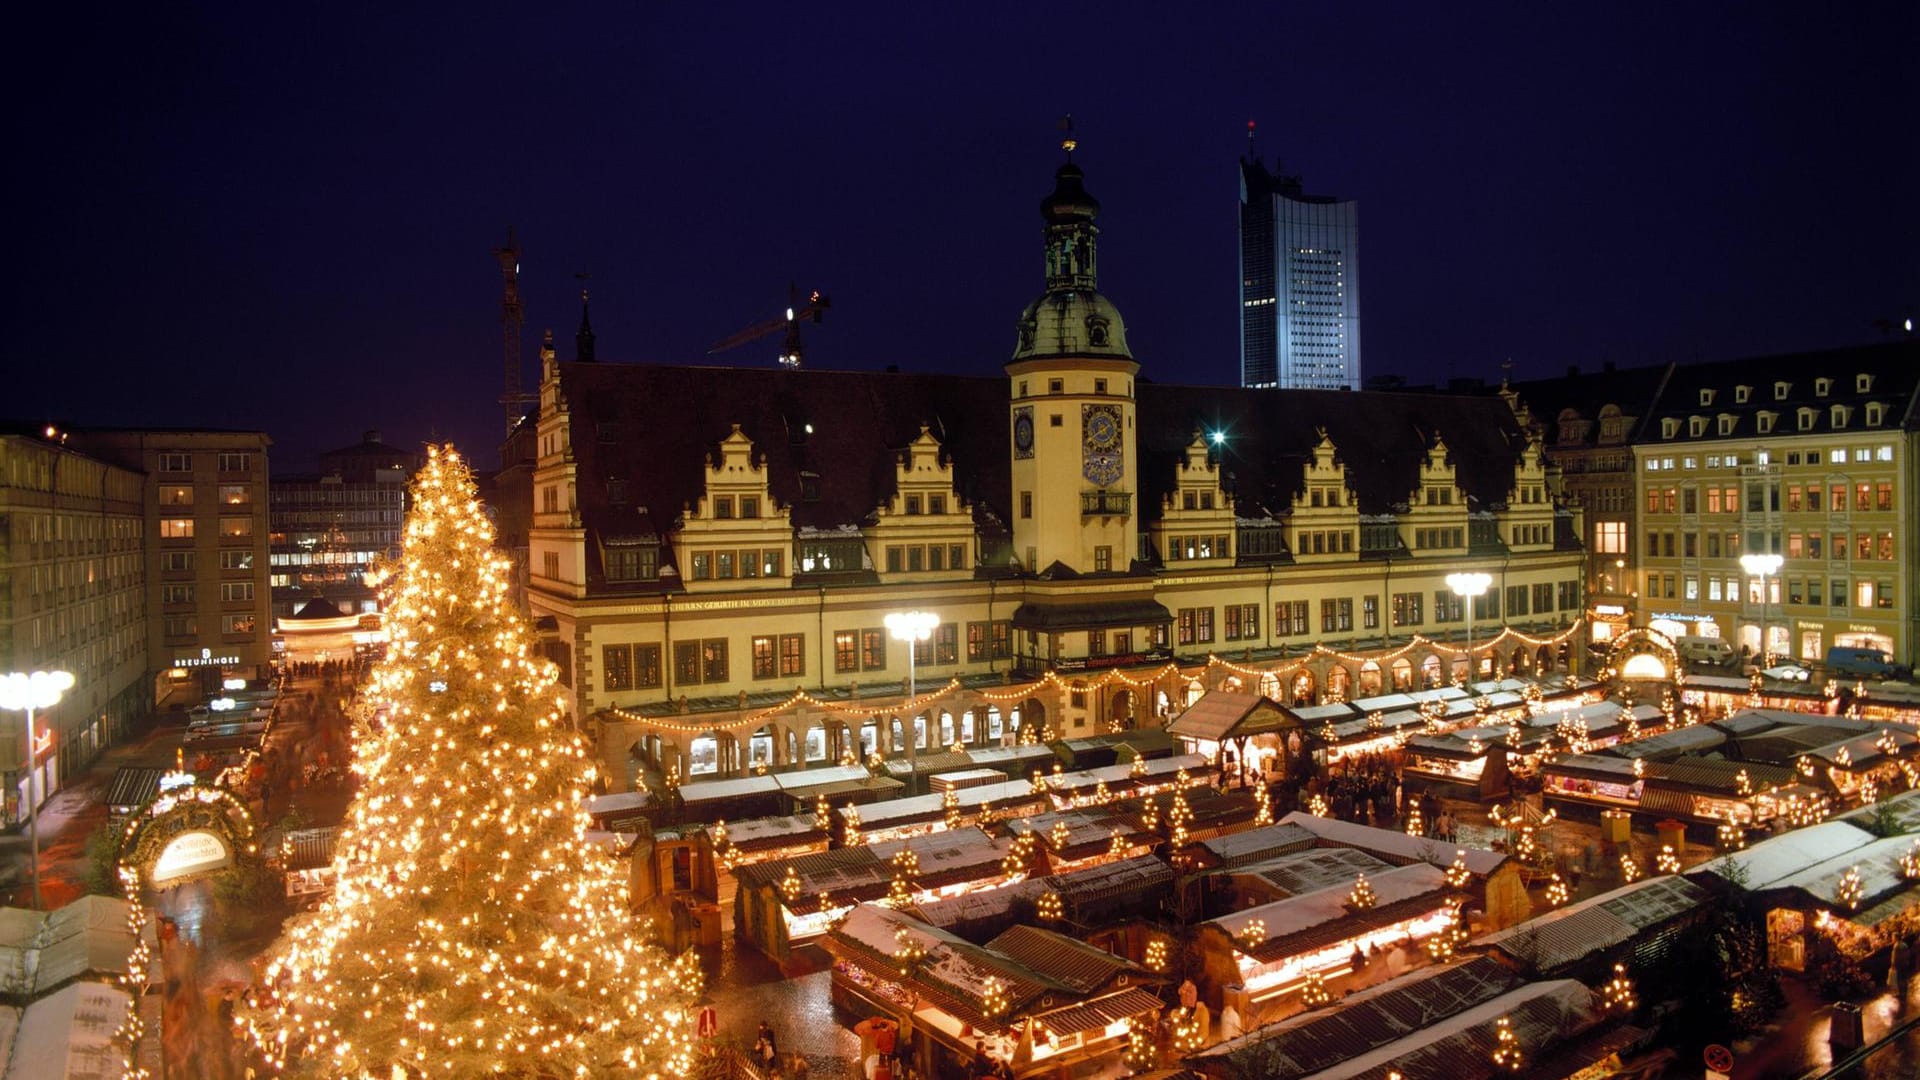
{"type": "Point", "coordinates": [1704, 650]}
{"type": "Point", "coordinates": [1866, 663]}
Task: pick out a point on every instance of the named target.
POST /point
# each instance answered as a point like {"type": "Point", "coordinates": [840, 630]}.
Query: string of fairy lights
{"type": "Point", "coordinates": [1052, 682]}
{"type": "Point", "coordinates": [473, 928]}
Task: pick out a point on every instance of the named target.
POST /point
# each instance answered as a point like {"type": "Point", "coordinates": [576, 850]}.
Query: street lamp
{"type": "Point", "coordinates": [912, 627]}
{"type": "Point", "coordinates": [1762, 565]}
{"type": "Point", "coordinates": [1470, 587]}
{"type": "Point", "coordinates": [21, 692]}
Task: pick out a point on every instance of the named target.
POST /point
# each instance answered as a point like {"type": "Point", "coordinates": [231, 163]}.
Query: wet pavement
{"type": "Point", "coordinates": [744, 988]}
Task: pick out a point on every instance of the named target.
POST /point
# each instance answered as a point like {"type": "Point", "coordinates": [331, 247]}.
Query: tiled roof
{"type": "Point", "coordinates": [1894, 367]}
{"type": "Point", "coordinates": [653, 427]}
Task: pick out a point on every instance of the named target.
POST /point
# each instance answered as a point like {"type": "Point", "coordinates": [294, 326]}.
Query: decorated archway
{"type": "Point", "coordinates": [1642, 655]}
{"type": "Point", "coordinates": [188, 831]}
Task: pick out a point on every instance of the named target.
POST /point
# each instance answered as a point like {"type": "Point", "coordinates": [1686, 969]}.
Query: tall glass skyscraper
{"type": "Point", "coordinates": [1299, 284]}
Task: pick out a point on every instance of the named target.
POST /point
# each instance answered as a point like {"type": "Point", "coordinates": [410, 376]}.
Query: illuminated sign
{"type": "Point", "coordinates": [1609, 609]}
{"type": "Point", "coordinates": [1674, 616]}
{"type": "Point", "coordinates": [205, 659]}
{"type": "Point", "coordinates": [221, 704]}
{"type": "Point", "coordinates": [234, 684]}
{"type": "Point", "coordinates": [171, 780]}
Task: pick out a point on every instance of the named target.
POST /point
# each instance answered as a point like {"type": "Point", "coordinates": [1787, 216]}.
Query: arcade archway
{"type": "Point", "coordinates": [1642, 655]}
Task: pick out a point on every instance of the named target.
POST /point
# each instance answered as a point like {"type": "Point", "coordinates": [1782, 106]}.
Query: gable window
{"type": "Point", "coordinates": [749, 506]}
{"type": "Point", "coordinates": [1726, 425]}
{"type": "Point", "coordinates": [1875, 413]}
{"type": "Point", "coordinates": [1840, 416]}
{"type": "Point", "coordinates": [1763, 422]}
{"type": "Point", "coordinates": [1669, 428]}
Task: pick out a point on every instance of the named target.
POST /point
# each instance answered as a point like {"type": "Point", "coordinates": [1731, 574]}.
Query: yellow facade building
{"type": "Point", "coordinates": [713, 552]}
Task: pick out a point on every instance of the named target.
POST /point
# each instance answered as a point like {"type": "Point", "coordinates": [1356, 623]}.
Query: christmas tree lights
{"type": "Point", "coordinates": [473, 929]}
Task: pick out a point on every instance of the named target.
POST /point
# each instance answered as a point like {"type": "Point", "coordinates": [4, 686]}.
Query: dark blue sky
{"type": "Point", "coordinates": [279, 219]}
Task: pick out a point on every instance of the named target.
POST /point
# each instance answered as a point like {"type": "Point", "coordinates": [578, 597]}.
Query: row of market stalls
{"type": "Point", "coordinates": [1853, 881]}
{"type": "Point", "coordinates": [1755, 768]}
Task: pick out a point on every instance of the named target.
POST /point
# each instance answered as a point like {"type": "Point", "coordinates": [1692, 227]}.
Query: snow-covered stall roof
{"type": "Point", "coordinates": [1255, 845]}
{"type": "Point", "coordinates": [1770, 863]}
{"type": "Point", "coordinates": [1697, 739]}
{"type": "Point", "coordinates": [1322, 917]}
{"type": "Point", "coordinates": [1314, 869]}
{"type": "Point", "coordinates": [42, 951]}
{"type": "Point", "coordinates": [1561, 937]}
{"type": "Point", "coordinates": [66, 1034]}
{"type": "Point", "coordinates": [1395, 846]}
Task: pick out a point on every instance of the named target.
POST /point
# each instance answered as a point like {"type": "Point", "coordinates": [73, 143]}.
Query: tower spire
{"type": "Point", "coordinates": [513, 400]}
{"type": "Point", "coordinates": [1067, 142]}
{"type": "Point", "coordinates": [583, 337]}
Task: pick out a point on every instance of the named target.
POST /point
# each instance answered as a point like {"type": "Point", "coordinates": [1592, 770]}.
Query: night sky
{"type": "Point", "coordinates": [248, 217]}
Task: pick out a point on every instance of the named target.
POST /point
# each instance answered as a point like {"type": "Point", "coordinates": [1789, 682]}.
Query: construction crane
{"type": "Point", "coordinates": [812, 310]}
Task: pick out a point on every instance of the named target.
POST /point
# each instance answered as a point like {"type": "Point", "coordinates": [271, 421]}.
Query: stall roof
{"type": "Point", "coordinates": [1892, 693]}
{"type": "Point", "coordinates": [954, 970]}
{"type": "Point", "coordinates": [1541, 1015]}
{"type": "Point", "coordinates": [1395, 846]}
{"type": "Point", "coordinates": [1332, 713]}
{"type": "Point", "coordinates": [1009, 758]}
{"type": "Point", "coordinates": [1133, 875]}
{"type": "Point", "coordinates": [1089, 829]}
{"type": "Point", "coordinates": [1866, 751]}
{"type": "Point", "coordinates": [41, 950]}
{"type": "Point", "coordinates": [1322, 917]}
{"type": "Point", "coordinates": [1717, 775]}
{"type": "Point", "coordinates": [1226, 714]}
{"type": "Point", "coordinates": [712, 790]}
{"type": "Point", "coordinates": [1877, 863]}
{"type": "Point", "coordinates": [1902, 810]}
{"type": "Point", "coordinates": [1558, 938]}
{"type": "Point", "coordinates": [620, 802]}
{"type": "Point", "coordinates": [932, 807]}
{"type": "Point", "coordinates": [1060, 959]}
{"type": "Point", "coordinates": [1256, 845]}
{"type": "Point", "coordinates": [1314, 869]}
{"type": "Point", "coordinates": [933, 762]}
{"type": "Point", "coordinates": [1686, 740]}
{"type": "Point", "coordinates": [1769, 863]}
{"type": "Point", "coordinates": [967, 777]}
{"type": "Point", "coordinates": [752, 834]}
{"type": "Point", "coordinates": [68, 1034]}
{"type": "Point", "coordinates": [1308, 1042]}
{"type": "Point", "coordinates": [981, 904]}
{"type": "Point", "coordinates": [133, 786]}
{"type": "Point", "coordinates": [802, 783]}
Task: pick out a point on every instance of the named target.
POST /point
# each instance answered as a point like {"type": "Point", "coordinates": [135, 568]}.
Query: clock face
{"type": "Point", "coordinates": [1103, 433]}
{"type": "Point", "coordinates": [1102, 445]}
{"type": "Point", "coordinates": [1023, 432]}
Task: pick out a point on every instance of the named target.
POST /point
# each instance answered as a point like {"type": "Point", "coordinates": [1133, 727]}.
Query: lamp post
{"type": "Point", "coordinates": [1470, 587]}
{"type": "Point", "coordinates": [1762, 565]}
{"type": "Point", "coordinates": [40, 690]}
{"type": "Point", "coordinates": [912, 627]}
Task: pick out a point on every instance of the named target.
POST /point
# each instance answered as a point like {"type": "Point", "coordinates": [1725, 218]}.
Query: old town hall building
{"type": "Point", "coordinates": [714, 551]}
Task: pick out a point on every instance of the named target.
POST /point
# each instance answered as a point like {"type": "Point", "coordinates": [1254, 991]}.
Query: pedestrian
{"type": "Point", "coordinates": [1898, 965]}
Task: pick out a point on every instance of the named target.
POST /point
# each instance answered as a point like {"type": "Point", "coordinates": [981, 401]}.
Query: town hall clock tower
{"type": "Point", "coordinates": [1075, 465]}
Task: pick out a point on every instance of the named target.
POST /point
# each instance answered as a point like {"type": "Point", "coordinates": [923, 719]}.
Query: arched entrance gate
{"type": "Point", "coordinates": [185, 833]}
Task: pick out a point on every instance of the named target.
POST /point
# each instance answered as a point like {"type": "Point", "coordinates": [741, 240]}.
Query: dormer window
{"type": "Point", "coordinates": [1764, 422]}
{"type": "Point", "coordinates": [1741, 394]}
{"type": "Point", "coordinates": [1669, 428]}
{"type": "Point", "coordinates": [1696, 426]}
{"type": "Point", "coordinates": [1781, 390]}
{"type": "Point", "coordinates": [1706, 398]}
{"type": "Point", "coordinates": [1821, 386]}
{"type": "Point", "coordinates": [1840, 416]}
{"type": "Point", "coordinates": [1806, 418]}
{"type": "Point", "coordinates": [1862, 383]}
{"type": "Point", "coordinates": [1726, 424]}
{"type": "Point", "coordinates": [1876, 413]}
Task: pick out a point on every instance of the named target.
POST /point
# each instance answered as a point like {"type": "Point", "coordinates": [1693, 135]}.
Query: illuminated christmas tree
{"type": "Point", "coordinates": [473, 929]}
